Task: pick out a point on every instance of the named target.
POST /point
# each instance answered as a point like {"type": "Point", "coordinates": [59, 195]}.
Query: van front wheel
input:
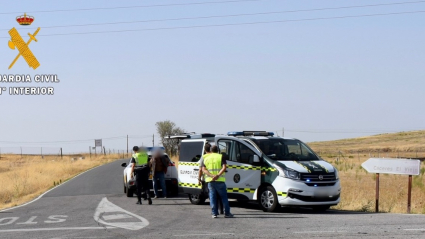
{"type": "Point", "coordinates": [268, 199]}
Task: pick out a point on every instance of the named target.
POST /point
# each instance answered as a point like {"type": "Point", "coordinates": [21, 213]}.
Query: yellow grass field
{"type": "Point", "coordinates": [358, 186]}
{"type": "Point", "coordinates": [23, 179]}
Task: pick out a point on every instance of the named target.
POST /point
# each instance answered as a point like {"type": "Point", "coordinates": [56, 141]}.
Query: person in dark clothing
{"type": "Point", "coordinates": [141, 168]}
{"type": "Point", "coordinates": [159, 164]}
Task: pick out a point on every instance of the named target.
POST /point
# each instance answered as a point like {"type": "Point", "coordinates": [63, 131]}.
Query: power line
{"type": "Point", "coordinates": [75, 141]}
{"type": "Point", "coordinates": [138, 6]}
{"type": "Point", "coordinates": [227, 16]}
{"type": "Point", "coordinates": [233, 24]}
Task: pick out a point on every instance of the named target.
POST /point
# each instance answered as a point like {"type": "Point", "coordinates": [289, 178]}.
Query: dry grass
{"type": "Point", "coordinates": [23, 179]}
{"type": "Point", "coordinates": [384, 143]}
{"type": "Point", "coordinates": [358, 186]}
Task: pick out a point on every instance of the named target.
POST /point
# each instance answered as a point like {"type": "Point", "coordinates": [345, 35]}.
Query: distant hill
{"type": "Point", "coordinates": [411, 141]}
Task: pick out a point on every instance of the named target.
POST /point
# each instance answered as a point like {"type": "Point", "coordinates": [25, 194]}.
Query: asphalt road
{"type": "Point", "coordinates": [93, 205]}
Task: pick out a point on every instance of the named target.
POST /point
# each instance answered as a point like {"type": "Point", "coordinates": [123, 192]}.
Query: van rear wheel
{"type": "Point", "coordinates": [197, 199]}
{"type": "Point", "coordinates": [268, 199]}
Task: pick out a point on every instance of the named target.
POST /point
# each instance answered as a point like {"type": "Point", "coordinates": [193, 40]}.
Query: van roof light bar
{"type": "Point", "coordinates": [191, 136]}
{"type": "Point", "coordinates": [250, 133]}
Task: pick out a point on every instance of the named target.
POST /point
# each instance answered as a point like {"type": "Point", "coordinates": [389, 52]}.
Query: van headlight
{"type": "Point", "coordinates": [287, 173]}
{"type": "Point", "coordinates": [336, 174]}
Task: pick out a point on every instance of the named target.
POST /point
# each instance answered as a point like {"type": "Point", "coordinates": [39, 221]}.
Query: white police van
{"type": "Point", "coordinates": [274, 171]}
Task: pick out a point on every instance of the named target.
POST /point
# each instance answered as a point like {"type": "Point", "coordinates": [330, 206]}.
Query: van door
{"type": "Point", "coordinates": [188, 166]}
{"type": "Point", "coordinates": [242, 177]}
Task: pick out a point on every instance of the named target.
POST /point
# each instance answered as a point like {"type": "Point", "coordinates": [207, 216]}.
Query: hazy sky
{"type": "Point", "coordinates": [320, 80]}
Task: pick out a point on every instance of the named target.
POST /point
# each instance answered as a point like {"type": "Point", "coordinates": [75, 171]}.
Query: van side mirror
{"type": "Point", "coordinates": [124, 165]}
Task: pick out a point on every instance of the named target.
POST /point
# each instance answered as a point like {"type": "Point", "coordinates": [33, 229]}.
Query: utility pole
{"type": "Point", "coordinates": [127, 144]}
{"type": "Point", "coordinates": [153, 140]}
{"type": "Point", "coordinates": [283, 132]}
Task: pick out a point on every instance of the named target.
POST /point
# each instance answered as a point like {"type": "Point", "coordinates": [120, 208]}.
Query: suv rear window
{"type": "Point", "coordinates": [191, 151]}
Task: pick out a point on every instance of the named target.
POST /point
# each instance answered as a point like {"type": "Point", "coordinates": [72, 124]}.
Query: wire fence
{"type": "Point", "coordinates": [58, 152]}
{"type": "Point", "coordinates": [373, 153]}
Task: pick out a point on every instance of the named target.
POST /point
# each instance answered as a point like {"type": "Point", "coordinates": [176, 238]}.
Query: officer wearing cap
{"type": "Point", "coordinates": [141, 168]}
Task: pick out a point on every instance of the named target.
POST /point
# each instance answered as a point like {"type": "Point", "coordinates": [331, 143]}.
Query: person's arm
{"type": "Point", "coordinates": [223, 169]}
{"type": "Point", "coordinates": [205, 170]}
{"type": "Point", "coordinates": [132, 170]}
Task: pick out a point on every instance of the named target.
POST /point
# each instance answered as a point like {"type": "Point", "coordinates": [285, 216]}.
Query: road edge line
{"type": "Point", "coordinates": [37, 198]}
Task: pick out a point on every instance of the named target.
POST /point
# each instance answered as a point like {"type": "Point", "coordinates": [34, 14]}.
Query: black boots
{"type": "Point", "coordinates": [150, 201]}
{"type": "Point", "coordinates": [139, 202]}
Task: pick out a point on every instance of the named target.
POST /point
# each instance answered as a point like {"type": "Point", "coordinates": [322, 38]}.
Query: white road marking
{"type": "Point", "coordinates": [209, 234]}
{"type": "Point", "coordinates": [7, 209]}
{"type": "Point", "coordinates": [415, 229]}
{"type": "Point", "coordinates": [11, 220]}
{"type": "Point", "coordinates": [116, 216]}
{"type": "Point", "coordinates": [29, 222]}
{"type": "Point", "coordinates": [56, 229]}
{"type": "Point", "coordinates": [56, 219]}
{"type": "Point", "coordinates": [106, 206]}
{"type": "Point", "coordinates": [321, 232]}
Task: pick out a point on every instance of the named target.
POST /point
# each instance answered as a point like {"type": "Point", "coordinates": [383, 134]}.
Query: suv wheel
{"type": "Point", "coordinates": [197, 199]}
{"type": "Point", "coordinates": [267, 199]}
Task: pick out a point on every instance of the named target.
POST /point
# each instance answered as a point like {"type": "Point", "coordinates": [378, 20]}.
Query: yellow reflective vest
{"type": "Point", "coordinates": [213, 164]}
{"type": "Point", "coordinates": [141, 158]}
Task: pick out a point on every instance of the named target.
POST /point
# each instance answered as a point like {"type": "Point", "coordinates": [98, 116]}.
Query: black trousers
{"type": "Point", "coordinates": [142, 182]}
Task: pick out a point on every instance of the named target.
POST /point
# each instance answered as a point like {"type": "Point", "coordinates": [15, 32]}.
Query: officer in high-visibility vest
{"type": "Point", "coordinates": [214, 167]}
{"type": "Point", "coordinates": [207, 152]}
{"type": "Point", "coordinates": [141, 167]}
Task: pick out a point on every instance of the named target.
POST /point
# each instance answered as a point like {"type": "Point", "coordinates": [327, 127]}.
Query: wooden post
{"type": "Point", "coordinates": [90, 151]}
{"type": "Point", "coordinates": [41, 152]}
{"type": "Point", "coordinates": [409, 194]}
{"type": "Point", "coordinates": [377, 194]}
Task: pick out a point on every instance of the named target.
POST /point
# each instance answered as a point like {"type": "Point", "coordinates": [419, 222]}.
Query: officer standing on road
{"type": "Point", "coordinates": [214, 167]}
{"type": "Point", "coordinates": [141, 168]}
{"type": "Point", "coordinates": [207, 151]}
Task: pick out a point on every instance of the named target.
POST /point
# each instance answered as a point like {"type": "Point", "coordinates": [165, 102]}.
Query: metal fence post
{"type": "Point", "coordinates": [377, 194]}
{"type": "Point", "coordinates": [409, 194]}
{"type": "Point", "coordinates": [61, 154]}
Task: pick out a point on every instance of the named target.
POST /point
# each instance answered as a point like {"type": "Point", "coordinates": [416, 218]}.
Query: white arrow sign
{"type": "Point", "coordinates": [111, 215]}
{"type": "Point", "coordinates": [392, 166]}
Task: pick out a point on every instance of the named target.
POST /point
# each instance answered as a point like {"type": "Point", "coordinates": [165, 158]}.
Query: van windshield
{"type": "Point", "coordinates": [285, 149]}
